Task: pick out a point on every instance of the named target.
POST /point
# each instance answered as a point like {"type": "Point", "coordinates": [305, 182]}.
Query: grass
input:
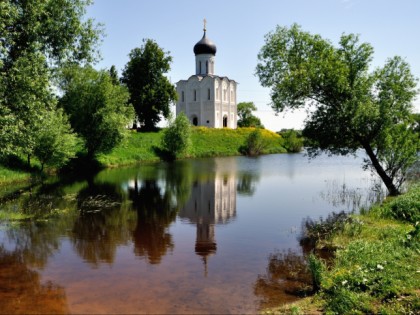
{"type": "Point", "coordinates": [140, 147]}
{"type": "Point", "coordinates": [376, 268]}
{"type": "Point", "coordinates": [8, 175]}
{"type": "Point", "coordinates": [206, 142]}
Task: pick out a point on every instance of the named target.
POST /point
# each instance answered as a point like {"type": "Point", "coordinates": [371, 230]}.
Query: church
{"type": "Point", "coordinates": [207, 99]}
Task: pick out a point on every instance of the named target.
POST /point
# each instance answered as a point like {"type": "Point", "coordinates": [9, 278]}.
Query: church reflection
{"type": "Point", "coordinates": [212, 202]}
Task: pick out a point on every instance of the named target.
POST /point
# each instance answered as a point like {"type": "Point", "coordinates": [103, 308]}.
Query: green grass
{"type": "Point", "coordinates": [139, 147]}
{"type": "Point", "coordinates": [206, 142]}
{"type": "Point", "coordinates": [8, 176]}
{"type": "Point", "coordinates": [376, 269]}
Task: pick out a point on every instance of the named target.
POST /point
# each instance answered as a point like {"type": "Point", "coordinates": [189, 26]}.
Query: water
{"type": "Point", "coordinates": [200, 236]}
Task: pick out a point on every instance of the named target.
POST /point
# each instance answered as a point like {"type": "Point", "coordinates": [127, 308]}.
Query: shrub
{"type": "Point", "coordinates": [292, 141]}
{"type": "Point", "coordinates": [254, 144]}
{"type": "Point", "coordinates": [314, 231]}
{"type": "Point", "coordinates": [177, 137]}
{"type": "Point", "coordinates": [404, 208]}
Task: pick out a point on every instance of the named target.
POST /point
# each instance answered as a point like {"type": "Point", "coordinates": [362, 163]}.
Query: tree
{"type": "Point", "coordinates": [36, 38]}
{"type": "Point", "coordinates": [114, 75]}
{"type": "Point", "coordinates": [99, 110]}
{"type": "Point", "coordinates": [177, 137]}
{"type": "Point", "coordinates": [292, 141]}
{"type": "Point", "coordinates": [246, 118]}
{"type": "Point", "coordinates": [351, 107]}
{"type": "Point", "coordinates": [55, 143]}
{"type": "Point", "coordinates": [150, 90]}
{"type": "Point", "coordinates": [254, 143]}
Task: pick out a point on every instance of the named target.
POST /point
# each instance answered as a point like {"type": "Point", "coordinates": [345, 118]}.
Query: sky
{"type": "Point", "coordinates": [238, 27]}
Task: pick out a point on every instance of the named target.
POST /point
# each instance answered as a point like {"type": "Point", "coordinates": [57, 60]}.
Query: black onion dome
{"type": "Point", "coordinates": [205, 46]}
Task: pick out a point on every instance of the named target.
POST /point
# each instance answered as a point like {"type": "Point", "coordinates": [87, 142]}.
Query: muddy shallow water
{"type": "Point", "coordinates": [200, 236]}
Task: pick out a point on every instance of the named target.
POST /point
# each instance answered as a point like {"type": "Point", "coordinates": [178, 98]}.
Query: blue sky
{"type": "Point", "coordinates": [238, 28]}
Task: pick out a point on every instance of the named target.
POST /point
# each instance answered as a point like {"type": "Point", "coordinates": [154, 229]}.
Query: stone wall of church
{"type": "Point", "coordinates": [208, 101]}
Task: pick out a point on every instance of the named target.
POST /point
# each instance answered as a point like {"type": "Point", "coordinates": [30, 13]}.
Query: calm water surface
{"type": "Point", "coordinates": [200, 236]}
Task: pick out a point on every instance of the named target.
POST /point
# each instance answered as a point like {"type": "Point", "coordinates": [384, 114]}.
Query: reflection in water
{"type": "Point", "coordinates": [102, 224]}
{"type": "Point", "coordinates": [352, 199]}
{"type": "Point", "coordinates": [123, 214]}
{"type": "Point", "coordinates": [247, 183]}
{"type": "Point", "coordinates": [154, 215]}
{"type": "Point", "coordinates": [22, 292]}
{"type": "Point", "coordinates": [213, 201]}
{"type": "Point", "coordinates": [287, 278]}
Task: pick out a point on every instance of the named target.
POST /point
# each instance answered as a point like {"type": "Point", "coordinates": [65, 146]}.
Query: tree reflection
{"type": "Point", "coordinates": [154, 215]}
{"type": "Point", "coordinates": [21, 291]}
{"type": "Point", "coordinates": [103, 223]}
{"type": "Point", "coordinates": [246, 183]}
{"type": "Point", "coordinates": [287, 278]}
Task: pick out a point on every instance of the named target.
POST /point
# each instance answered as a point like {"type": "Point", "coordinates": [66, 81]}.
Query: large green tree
{"type": "Point", "coordinates": [37, 37]}
{"type": "Point", "coordinates": [151, 93]}
{"type": "Point", "coordinates": [246, 118]}
{"type": "Point", "coordinates": [98, 109]}
{"type": "Point", "coordinates": [352, 106]}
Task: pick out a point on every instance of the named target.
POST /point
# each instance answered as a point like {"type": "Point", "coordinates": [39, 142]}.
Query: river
{"type": "Point", "coordinates": [214, 236]}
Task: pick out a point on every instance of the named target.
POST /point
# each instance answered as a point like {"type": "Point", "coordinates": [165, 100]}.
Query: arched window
{"type": "Point", "coordinates": [225, 121]}
{"type": "Point", "coordinates": [199, 72]}
{"type": "Point", "coordinates": [208, 94]}
{"type": "Point", "coordinates": [207, 67]}
{"type": "Point", "coordinates": [182, 97]}
{"type": "Point", "coordinates": [195, 95]}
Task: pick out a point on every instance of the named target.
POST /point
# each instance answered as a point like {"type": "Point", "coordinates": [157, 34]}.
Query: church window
{"type": "Point", "coordinates": [182, 96]}
{"type": "Point", "coordinates": [231, 96]}
{"type": "Point", "coordinates": [195, 95]}
{"type": "Point", "coordinates": [217, 93]}
{"type": "Point", "coordinates": [224, 94]}
{"type": "Point", "coordinates": [208, 94]}
{"type": "Point", "coordinates": [207, 67]}
{"type": "Point", "coordinates": [200, 68]}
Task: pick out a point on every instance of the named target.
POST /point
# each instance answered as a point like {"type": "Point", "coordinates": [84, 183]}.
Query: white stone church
{"type": "Point", "coordinates": [207, 99]}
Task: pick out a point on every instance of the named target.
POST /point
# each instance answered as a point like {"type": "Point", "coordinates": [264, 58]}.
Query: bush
{"type": "Point", "coordinates": [254, 144]}
{"type": "Point", "coordinates": [404, 208]}
{"type": "Point", "coordinates": [314, 231]}
{"type": "Point", "coordinates": [177, 137]}
{"type": "Point", "coordinates": [292, 141]}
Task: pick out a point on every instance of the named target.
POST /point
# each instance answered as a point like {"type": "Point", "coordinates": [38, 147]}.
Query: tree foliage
{"type": "Point", "coordinates": [254, 143]}
{"type": "Point", "coordinates": [98, 110]}
{"type": "Point", "coordinates": [150, 90]}
{"type": "Point", "coordinates": [177, 137]}
{"type": "Point", "coordinates": [246, 118]}
{"type": "Point", "coordinates": [36, 38]}
{"type": "Point", "coordinates": [351, 107]}
{"type": "Point", "coordinates": [293, 142]}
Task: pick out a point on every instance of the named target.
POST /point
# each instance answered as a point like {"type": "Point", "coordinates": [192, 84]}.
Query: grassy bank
{"type": "Point", "coordinates": [8, 176]}
{"type": "Point", "coordinates": [206, 142]}
{"type": "Point", "coordinates": [141, 147]}
{"type": "Point", "coordinates": [376, 268]}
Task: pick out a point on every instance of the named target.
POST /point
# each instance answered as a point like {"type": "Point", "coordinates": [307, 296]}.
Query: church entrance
{"type": "Point", "coordinates": [225, 121]}
{"type": "Point", "coordinates": [195, 121]}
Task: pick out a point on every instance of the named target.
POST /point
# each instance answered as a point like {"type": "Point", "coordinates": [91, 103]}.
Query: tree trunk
{"type": "Point", "coordinates": [392, 189]}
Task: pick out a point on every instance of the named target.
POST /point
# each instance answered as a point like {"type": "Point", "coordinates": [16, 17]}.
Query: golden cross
{"type": "Point", "coordinates": [205, 22]}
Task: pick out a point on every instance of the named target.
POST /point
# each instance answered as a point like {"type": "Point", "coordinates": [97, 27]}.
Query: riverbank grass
{"type": "Point", "coordinates": [376, 268]}
{"type": "Point", "coordinates": [206, 142]}
{"type": "Point", "coordinates": [8, 175]}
